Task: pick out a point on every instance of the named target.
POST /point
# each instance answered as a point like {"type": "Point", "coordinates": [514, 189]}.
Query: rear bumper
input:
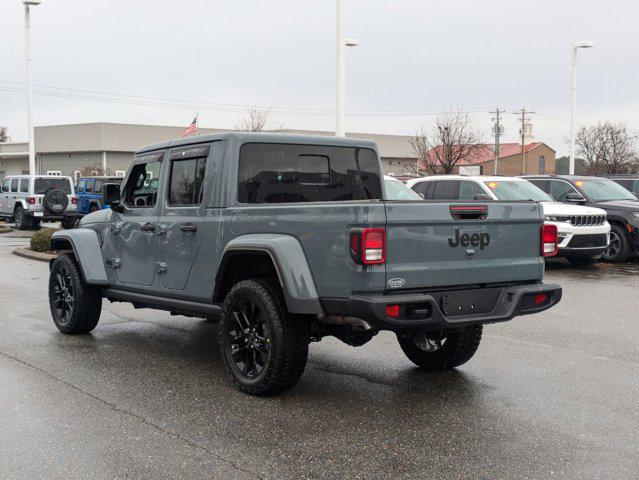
{"type": "Point", "coordinates": [48, 216]}
{"type": "Point", "coordinates": [448, 309]}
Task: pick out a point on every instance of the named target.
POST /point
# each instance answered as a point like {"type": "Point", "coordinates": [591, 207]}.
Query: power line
{"type": "Point", "coordinates": [129, 99]}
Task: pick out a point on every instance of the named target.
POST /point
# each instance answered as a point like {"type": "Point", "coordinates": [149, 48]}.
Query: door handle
{"type": "Point", "coordinates": [189, 227]}
{"type": "Point", "coordinates": [148, 227]}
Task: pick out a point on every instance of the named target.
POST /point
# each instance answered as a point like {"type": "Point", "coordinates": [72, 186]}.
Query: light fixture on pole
{"type": "Point", "coordinates": [27, 46]}
{"type": "Point", "coordinates": [342, 43]}
{"type": "Point", "coordinates": [573, 100]}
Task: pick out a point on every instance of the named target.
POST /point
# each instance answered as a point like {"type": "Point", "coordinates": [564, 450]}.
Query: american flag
{"type": "Point", "coordinates": [191, 128]}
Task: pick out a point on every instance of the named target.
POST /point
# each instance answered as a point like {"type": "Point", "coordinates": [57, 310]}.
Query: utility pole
{"type": "Point", "coordinates": [27, 56]}
{"type": "Point", "coordinates": [523, 112]}
{"type": "Point", "coordinates": [498, 130]}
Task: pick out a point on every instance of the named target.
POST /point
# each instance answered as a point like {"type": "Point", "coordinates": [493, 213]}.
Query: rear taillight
{"type": "Point", "coordinates": [74, 200]}
{"type": "Point", "coordinates": [368, 246]}
{"type": "Point", "coordinates": [549, 240]}
{"type": "Point", "coordinates": [31, 200]}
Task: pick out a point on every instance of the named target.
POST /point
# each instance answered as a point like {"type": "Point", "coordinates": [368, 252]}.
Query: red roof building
{"type": "Point", "coordinates": [539, 158]}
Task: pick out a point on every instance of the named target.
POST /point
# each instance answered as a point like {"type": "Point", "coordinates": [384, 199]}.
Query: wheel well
{"type": "Point", "coordinates": [242, 265]}
{"type": "Point", "coordinates": [62, 244]}
{"type": "Point", "coordinates": [18, 204]}
{"type": "Point", "coordinates": [620, 223]}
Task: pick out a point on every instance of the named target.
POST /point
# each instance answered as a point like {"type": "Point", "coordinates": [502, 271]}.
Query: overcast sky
{"type": "Point", "coordinates": [215, 57]}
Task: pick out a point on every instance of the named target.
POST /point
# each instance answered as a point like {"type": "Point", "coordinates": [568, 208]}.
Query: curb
{"type": "Point", "coordinates": [26, 253]}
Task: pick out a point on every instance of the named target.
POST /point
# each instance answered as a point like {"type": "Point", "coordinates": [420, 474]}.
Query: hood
{"type": "Point", "coordinates": [620, 205]}
{"type": "Point", "coordinates": [565, 209]}
{"type": "Point", "coordinates": [96, 217]}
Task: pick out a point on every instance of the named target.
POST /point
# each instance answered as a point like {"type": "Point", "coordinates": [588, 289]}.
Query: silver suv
{"type": "Point", "coordinates": [29, 201]}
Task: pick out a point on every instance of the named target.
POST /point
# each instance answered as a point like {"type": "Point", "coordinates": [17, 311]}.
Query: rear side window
{"type": "Point", "coordinates": [187, 178]}
{"type": "Point", "coordinates": [14, 185]}
{"type": "Point", "coordinates": [24, 185]}
{"type": "Point", "coordinates": [469, 190]}
{"type": "Point", "coordinates": [43, 185]}
{"type": "Point", "coordinates": [422, 187]}
{"type": "Point", "coordinates": [88, 186]}
{"type": "Point", "coordinates": [97, 186]}
{"type": "Point", "coordinates": [446, 190]}
{"type": "Point", "coordinates": [285, 173]}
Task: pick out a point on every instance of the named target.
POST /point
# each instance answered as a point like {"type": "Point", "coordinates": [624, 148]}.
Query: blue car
{"type": "Point", "coordinates": [89, 193]}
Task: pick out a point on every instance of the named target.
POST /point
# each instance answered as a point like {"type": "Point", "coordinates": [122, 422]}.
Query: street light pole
{"type": "Point", "coordinates": [27, 44]}
{"type": "Point", "coordinates": [573, 101]}
{"type": "Point", "coordinates": [342, 43]}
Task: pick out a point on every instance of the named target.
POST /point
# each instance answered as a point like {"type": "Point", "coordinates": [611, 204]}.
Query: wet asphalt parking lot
{"type": "Point", "coordinates": [552, 395]}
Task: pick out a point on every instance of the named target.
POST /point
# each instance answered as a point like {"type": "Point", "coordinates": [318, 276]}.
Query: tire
{"type": "Point", "coordinates": [619, 249]}
{"type": "Point", "coordinates": [449, 349]}
{"type": "Point", "coordinates": [582, 261]}
{"type": "Point", "coordinates": [35, 223]}
{"type": "Point", "coordinates": [68, 223]}
{"type": "Point", "coordinates": [75, 306]}
{"type": "Point", "coordinates": [22, 223]}
{"type": "Point", "coordinates": [93, 208]}
{"type": "Point", "coordinates": [55, 201]}
{"type": "Point", "coordinates": [264, 348]}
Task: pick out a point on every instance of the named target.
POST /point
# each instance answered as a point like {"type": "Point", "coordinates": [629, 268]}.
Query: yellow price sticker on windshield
{"type": "Point", "coordinates": [492, 185]}
{"type": "Point", "coordinates": [579, 183]}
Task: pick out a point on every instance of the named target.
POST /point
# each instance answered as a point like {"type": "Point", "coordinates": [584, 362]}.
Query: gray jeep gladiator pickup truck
{"type": "Point", "coordinates": [286, 239]}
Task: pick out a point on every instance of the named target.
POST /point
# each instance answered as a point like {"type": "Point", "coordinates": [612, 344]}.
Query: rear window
{"type": "Point", "coordinates": [283, 173]}
{"type": "Point", "coordinates": [43, 185]}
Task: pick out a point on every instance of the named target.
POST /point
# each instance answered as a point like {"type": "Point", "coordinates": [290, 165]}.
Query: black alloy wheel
{"type": "Point", "coordinates": [63, 299]}
{"type": "Point", "coordinates": [249, 339]}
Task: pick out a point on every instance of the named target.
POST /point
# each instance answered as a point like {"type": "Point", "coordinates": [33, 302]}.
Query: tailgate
{"type": "Point", "coordinates": [448, 244]}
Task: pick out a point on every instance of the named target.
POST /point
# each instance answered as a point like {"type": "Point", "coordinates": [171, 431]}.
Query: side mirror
{"type": "Point", "coordinates": [483, 197]}
{"type": "Point", "coordinates": [574, 197]}
{"type": "Point", "coordinates": [111, 196]}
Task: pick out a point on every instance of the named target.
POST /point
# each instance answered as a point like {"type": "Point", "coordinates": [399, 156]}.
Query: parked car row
{"type": "Point", "coordinates": [596, 217]}
{"type": "Point", "coordinates": [51, 198]}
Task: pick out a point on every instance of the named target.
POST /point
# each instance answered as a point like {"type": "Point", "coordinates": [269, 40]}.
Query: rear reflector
{"type": "Point", "coordinates": [541, 298]}
{"type": "Point", "coordinates": [74, 200]}
{"type": "Point", "coordinates": [549, 240]}
{"type": "Point", "coordinates": [392, 311]}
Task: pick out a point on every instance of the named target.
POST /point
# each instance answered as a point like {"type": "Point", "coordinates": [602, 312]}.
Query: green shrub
{"type": "Point", "coordinates": [41, 240]}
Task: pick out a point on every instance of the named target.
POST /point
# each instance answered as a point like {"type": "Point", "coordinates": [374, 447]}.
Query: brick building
{"type": "Point", "coordinates": [540, 158]}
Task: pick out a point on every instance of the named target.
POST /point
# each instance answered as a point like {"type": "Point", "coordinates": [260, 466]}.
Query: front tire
{"type": "Point", "coordinates": [619, 249]}
{"type": "Point", "coordinates": [75, 305]}
{"type": "Point", "coordinates": [264, 348]}
{"type": "Point", "coordinates": [441, 351]}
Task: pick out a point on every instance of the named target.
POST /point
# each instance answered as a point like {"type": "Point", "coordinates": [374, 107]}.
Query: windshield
{"type": "Point", "coordinates": [396, 190]}
{"type": "Point", "coordinates": [602, 190]}
{"type": "Point", "coordinates": [517, 190]}
{"type": "Point", "coordinates": [43, 185]}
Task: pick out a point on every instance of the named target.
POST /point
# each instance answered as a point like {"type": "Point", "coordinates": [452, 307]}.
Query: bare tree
{"type": "Point", "coordinates": [4, 135]}
{"type": "Point", "coordinates": [452, 139]}
{"type": "Point", "coordinates": [608, 148]}
{"type": "Point", "coordinates": [95, 170]}
{"type": "Point", "coordinates": [412, 169]}
{"type": "Point", "coordinates": [256, 120]}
